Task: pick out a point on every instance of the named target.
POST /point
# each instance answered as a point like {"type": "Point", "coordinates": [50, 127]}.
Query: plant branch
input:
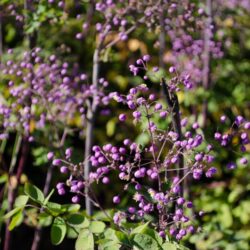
{"type": "Point", "coordinates": [206, 80]}
{"type": "Point", "coordinates": [173, 103]}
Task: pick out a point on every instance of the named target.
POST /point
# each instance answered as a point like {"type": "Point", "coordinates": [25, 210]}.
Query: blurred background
{"type": "Point", "coordinates": [225, 198]}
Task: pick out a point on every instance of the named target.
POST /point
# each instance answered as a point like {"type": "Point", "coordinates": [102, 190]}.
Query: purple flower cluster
{"type": "Point", "coordinates": [45, 91]}
{"type": "Point", "coordinates": [147, 168]}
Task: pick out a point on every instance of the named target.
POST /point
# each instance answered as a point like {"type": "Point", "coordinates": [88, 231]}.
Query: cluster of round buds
{"type": "Point", "coordinates": [187, 38]}
{"type": "Point", "coordinates": [45, 90]}
{"type": "Point", "coordinates": [74, 184]}
{"type": "Point", "coordinates": [120, 15]}
{"type": "Point", "coordinates": [232, 5]}
{"type": "Point", "coordinates": [14, 8]}
{"type": "Point", "coordinates": [239, 131]}
{"type": "Point", "coordinates": [129, 162]}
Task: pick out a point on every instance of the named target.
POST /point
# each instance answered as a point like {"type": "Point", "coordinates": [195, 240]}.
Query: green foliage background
{"type": "Point", "coordinates": [225, 199]}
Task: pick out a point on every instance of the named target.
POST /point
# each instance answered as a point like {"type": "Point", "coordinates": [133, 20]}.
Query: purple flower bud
{"type": "Point", "coordinates": [116, 199]}
{"type": "Point", "coordinates": [131, 105]}
{"type": "Point", "coordinates": [50, 156]}
{"type": "Point", "coordinates": [138, 174]}
{"type": "Point", "coordinates": [172, 69]}
{"type": "Point", "coordinates": [138, 186]}
{"type": "Point", "coordinates": [247, 125]}
{"type": "Point", "coordinates": [122, 150]}
{"type": "Point", "coordinates": [178, 236]}
{"type": "Point", "coordinates": [172, 231]}
{"type": "Point", "coordinates": [74, 188]}
{"type": "Point", "coordinates": [197, 173]}
{"type": "Point", "coordinates": [80, 185]}
{"type": "Point", "coordinates": [211, 171]}
{"type": "Point", "coordinates": [223, 118]}
{"type": "Point", "coordinates": [201, 213]}
{"type": "Point", "coordinates": [146, 58]}
{"type": "Point", "coordinates": [68, 152]}
{"type": "Point", "coordinates": [60, 185]}
{"type": "Point", "coordinates": [122, 117]}
{"type": "Point", "coordinates": [231, 165]}
{"type": "Point", "coordinates": [195, 125]}
{"type": "Point", "coordinates": [162, 234]}
{"type": "Point", "coordinates": [75, 199]}
{"type": "Point", "coordinates": [239, 120]}
{"type": "Point", "coordinates": [184, 219]}
{"type": "Point", "coordinates": [184, 122]}
{"type": "Point", "coordinates": [158, 106]}
{"type": "Point", "coordinates": [243, 136]}
{"type": "Point", "coordinates": [133, 146]}
{"type": "Point", "coordinates": [217, 136]}
{"type": "Point", "coordinates": [56, 162]}
{"type": "Point", "coordinates": [243, 161]}
{"type": "Point", "coordinates": [176, 189]}
{"type": "Point", "coordinates": [190, 229]}
{"type": "Point", "coordinates": [131, 210]}
{"type": "Point", "coordinates": [154, 176]}
{"type": "Point", "coordinates": [155, 69]}
{"type": "Point", "coordinates": [63, 170]}
{"type": "Point", "coordinates": [189, 204]}
{"type": "Point", "coordinates": [61, 191]}
{"type": "Point", "coordinates": [107, 147]}
{"type": "Point", "coordinates": [102, 159]}
{"type": "Point", "coordinates": [163, 114]}
{"type": "Point", "coordinates": [180, 201]}
{"type": "Point", "coordinates": [179, 212]}
{"type": "Point", "coordinates": [126, 142]}
{"type": "Point", "coordinates": [105, 180]}
{"type": "Point", "coordinates": [137, 115]}
{"type": "Point", "coordinates": [198, 157]}
{"type": "Point", "coordinates": [152, 97]}
{"type": "Point", "coordinates": [183, 232]}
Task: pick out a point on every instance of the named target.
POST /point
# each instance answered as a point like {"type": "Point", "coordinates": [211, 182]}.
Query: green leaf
{"type": "Point", "coordinates": [3, 178]}
{"type": "Point", "coordinates": [71, 208]}
{"type": "Point", "coordinates": [21, 201]}
{"type": "Point", "coordinates": [97, 227]}
{"type": "Point", "coordinates": [110, 234]}
{"type": "Point", "coordinates": [113, 247]}
{"type": "Point", "coordinates": [226, 218]}
{"type": "Point", "coordinates": [73, 233]}
{"type": "Point", "coordinates": [48, 197]}
{"type": "Point", "coordinates": [58, 231]}
{"type": "Point", "coordinates": [77, 220]}
{"type": "Point", "coordinates": [168, 246]}
{"type": "Point", "coordinates": [16, 220]}
{"type": "Point", "coordinates": [54, 208]}
{"type": "Point", "coordinates": [139, 229]}
{"type": "Point", "coordinates": [111, 126]}
{"type": "Point", "coordinates": [12, 212]}
{"type": "Point", "coordinates": [123, 238]}
{"type": "Point", "coordinates": [155, 235]}
{"type": "Point", "coordinates": [85, 240]}
{"type": "Point", "coordinates": [34, 193]}
{"type": "Point", "coordinates": [145, 242]}
{"type": "Point", "coordinates": [45, 219]}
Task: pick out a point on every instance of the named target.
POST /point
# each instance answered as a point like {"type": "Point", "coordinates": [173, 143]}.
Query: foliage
{"type": "Point", "coordinates": [125, 110]}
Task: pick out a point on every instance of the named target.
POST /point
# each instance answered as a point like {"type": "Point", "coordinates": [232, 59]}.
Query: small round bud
{"type": "Point", "coordinates": [116, 199]}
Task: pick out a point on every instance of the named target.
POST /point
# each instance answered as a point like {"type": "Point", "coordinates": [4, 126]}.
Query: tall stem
{"type": "Point", "coordinates": [90, 125]}
{"type": "Point", "coordinates": [173, 103]}
{"type": "Point", "coordinates": [162, 42]}
{"type": "Point", "coordinates": [38, 231]}
{"type": "Point", "coordinates": [1, 36]}
{"type": "Point", "coordinates": [206, 80]}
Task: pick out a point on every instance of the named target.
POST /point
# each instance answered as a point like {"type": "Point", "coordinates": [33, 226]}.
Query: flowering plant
{"type": "Point", "coordinates": [163, 148]}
